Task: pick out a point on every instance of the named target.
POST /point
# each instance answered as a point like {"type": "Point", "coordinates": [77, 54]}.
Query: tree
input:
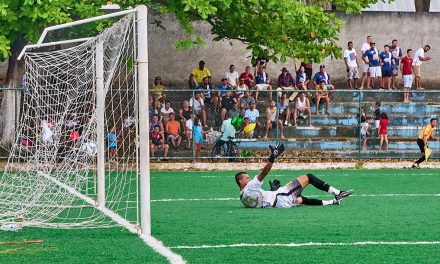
{"type": "Point", "coordinates": [275, 29]}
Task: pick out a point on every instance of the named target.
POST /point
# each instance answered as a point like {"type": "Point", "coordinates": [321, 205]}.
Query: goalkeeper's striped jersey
{"type": "Point", "coordinates": [254, 196]}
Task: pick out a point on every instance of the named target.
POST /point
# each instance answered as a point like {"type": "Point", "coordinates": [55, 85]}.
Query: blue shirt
{"type": "Point", "coordinates": [112, 140]}
{"type": "Point", "coordinates": [373, 57]}
{"type": "Point", "coordinates": [397, 52]}
{"type": "Point", "coordinates": [320, 77]}
{"type": "Point", "coordinates": [301, 77]}
{"type": "Point", "coordinates": [198, 135]}
{"type": "Point", "coordinates": [206, 89]}
{"type": "Point", "coordinates": [222, 89]}
{"type": "Point", "coordinates": [261, 78]}
{"type": "Point", "coordinates": [386, 59]}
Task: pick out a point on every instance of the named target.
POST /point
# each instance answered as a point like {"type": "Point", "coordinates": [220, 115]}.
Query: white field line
{"type": "Point", "coordinates": [315, 244]}
{"type": "Point", "coordinates": [354, 195]}
{"type": "Point", "coordinates": [155, 244]}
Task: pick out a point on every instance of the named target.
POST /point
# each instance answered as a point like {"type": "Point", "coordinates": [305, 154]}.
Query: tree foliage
{"type": "Point", "coordinates": [276, 29]}
{"type": "Point", "coordinates": [271, 28]}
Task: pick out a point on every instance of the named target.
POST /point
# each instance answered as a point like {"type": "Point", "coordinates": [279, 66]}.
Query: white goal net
{"type": "Point", "coordinates": [51, 178]}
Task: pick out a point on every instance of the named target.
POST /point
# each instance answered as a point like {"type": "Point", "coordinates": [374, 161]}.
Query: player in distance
{"type": "Point", "coordinates": [252, 195]}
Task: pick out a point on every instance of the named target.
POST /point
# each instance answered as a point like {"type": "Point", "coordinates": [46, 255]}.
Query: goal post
{"type": "Point", "coordinates": [102, 82]}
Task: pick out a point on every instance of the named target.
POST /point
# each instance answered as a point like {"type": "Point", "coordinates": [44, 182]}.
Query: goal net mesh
{"type": "Point", "coordinates": [51, 176]}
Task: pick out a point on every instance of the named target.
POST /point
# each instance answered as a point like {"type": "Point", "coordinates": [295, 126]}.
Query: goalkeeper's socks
{"type": "Point", "coordinates": [333, 191]}
{"type": "Point", "coordinates": [330, 202]}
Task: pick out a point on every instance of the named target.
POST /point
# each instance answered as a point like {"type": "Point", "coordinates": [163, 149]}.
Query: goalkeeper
{"type": "Point", "coordinates": [253, 196]}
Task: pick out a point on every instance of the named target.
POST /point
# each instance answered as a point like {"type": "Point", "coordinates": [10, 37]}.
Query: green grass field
{"type": "Point", "coordinates": [191, 209]}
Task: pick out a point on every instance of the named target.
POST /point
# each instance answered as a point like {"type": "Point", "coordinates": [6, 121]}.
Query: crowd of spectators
{"type": "Point", "coordinates": [237, 95]}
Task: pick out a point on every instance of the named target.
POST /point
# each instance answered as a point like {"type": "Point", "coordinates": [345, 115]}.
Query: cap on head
{"type": "Point", "coordinates": [284, 69]}
{"type": "Point", "coordinates": [201, 62]}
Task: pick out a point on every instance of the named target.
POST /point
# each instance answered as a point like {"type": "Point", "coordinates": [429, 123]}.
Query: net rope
{"type": "Point", "coordinates": [55, 152]}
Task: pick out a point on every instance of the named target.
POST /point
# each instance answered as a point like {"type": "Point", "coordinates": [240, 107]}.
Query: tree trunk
{"type": "Point", "coordinates": [422, 5]}
{"type": "Point", "coordinates": [10, 105]}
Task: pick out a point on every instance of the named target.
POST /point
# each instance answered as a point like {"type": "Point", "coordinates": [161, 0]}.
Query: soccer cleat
{"type": "Point", "coordinates": [336, 201]}
{"type": "Point", "coordinates": [343, 194]}
{"type": "Point", "coordinates": [415, 166]}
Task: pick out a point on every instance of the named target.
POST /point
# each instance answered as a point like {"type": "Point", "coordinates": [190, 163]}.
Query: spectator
{"type": "Point", "coordinates": [284, 110]}
{"type": "Point", "coordinates": [157, 142]}
{"type": "Point", "coordinates": [159, 96]}
{"type": "Point", "coordinates": [112, 138]}
{"type": "Point", "coordinates": [272, 121]}
{"type": "Point", "coordinates": [301, 78]}
{"type": "Point", "coordinates": [46, 135]}
{"type": "Point", "coordinates": [232, 76]}
{"type": "Point", "coordinates": [188, 131]}
{"type": "Point", "coordinates": [241, 88]}
{"type": "Point", "coordinates": [173, 132]}
{"type": "Point", "coordinates": [373, 59]}
{"type": "Point", "coordinates": [322, 77]}
{"type": "Point", "coordinates": [308, 68]}
{"type": "Point", "coordinates": [302, 109]}
{"type": "Point", "coordinates": [397, 56]}
{"type": "Point", "coordinates": [377, 113]}
{"type": "Point", "coordinates": [246, 101]}
{"type": "Point", "coordinates": [227, 102]}
{"type": "Point", "coordinates": [406, 69]}
{"type": "Point", "coordinates": [365, 125]}
{"type": "Point", "coordinates": [207, 90]}
{"type": "Point", "coordinates": [235, 111]}
{"type": "Point", "coordinates": [151, 107]}
{"type": "Point", "coordinates": [383, 133]}
{"type": "Point", "coordinates": [185, 113]}
{"type": "Point", "coordinates": [322, 94]}
{"type": "Point", "coordinates": [223, 87]}
{"type": "Point", "coordinates": [74, 126]}
{"type": "Point", "coordinates": [228, 133]}
{"type": "Point", "coordinates": [386, 60]}
{"type": "Point", "coordinates": [197, 75]}
{"type": "Point", "coordinates": [165, 112]}
{"type": "Point", "coordinates": [198, 105]}
{"type": "Point", "coordinates": [352, 65]}
{"type": "Point", "coordinates": [253, 115]}
{"type": "Point", "coordinates": [366, 65]}
{"type": "Point", "coordinates": [262, 81]}
{"type": "Point", "coordinates": [247, 76]}
{"type": "Point", "coordinates": [285, 80]}
{"type": "Point", "coordinates": [156, 122]}
{"type": "Point", "coordinates": [198, 137]}
{"type": "Point", "coordinates": [419, 57]}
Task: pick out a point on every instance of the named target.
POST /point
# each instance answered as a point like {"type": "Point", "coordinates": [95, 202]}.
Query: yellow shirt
{"type": "Point", "coordinates": [426, 133]}
{"type": "Point", "coordinates": [199, 74]}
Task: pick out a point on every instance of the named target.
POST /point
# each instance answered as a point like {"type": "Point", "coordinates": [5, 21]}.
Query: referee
{"type": "Point", "coordinates": [422, 141]}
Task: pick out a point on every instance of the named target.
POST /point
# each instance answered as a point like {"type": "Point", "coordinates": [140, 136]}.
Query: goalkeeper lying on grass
{"type": "Point", "coordinates": [252, 195]}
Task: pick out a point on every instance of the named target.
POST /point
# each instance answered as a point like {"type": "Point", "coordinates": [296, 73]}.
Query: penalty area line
{"type": "Point", "coordinates": [315, 244]}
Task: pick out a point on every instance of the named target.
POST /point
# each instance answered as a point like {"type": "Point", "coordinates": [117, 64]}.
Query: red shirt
{"type": "Point", "coordinates": [247, 78]}
{"type": "Point", "coordinates": [383, 126]}
{"type": "Point", "coordinates": [407, 65]}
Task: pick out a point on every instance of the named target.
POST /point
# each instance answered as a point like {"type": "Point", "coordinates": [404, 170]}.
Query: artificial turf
{"type": "Point", "coordinates": [387, 206]}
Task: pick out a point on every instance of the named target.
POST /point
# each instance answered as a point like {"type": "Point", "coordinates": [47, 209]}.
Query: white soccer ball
{"type": "Point", "coordinates": [90, 148]}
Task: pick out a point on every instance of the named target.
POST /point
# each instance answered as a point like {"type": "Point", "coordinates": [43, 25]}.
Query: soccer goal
{"type": "Point", "coordinates": [80, 158]}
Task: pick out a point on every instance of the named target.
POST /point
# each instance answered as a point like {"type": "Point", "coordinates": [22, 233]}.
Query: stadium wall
{"type": "Point", "coordinates": [413, 30]}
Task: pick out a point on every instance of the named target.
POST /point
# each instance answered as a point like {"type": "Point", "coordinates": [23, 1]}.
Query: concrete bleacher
{"type": "Point", "coordinates": [338, 134]}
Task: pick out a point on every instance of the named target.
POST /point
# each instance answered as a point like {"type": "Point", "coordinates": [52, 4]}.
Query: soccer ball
{"type": "Point", "coordinates": [90, 148]}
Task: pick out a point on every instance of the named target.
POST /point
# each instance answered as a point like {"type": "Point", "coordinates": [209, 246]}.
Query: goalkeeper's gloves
{"type": "Point", "coordinates": [274, 185]}
{"type": "Point", "coordinates": [276, 151]}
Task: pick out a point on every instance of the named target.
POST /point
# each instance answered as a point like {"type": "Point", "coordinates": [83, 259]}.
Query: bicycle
{"type": "Point", "coordinates": [225, 149]}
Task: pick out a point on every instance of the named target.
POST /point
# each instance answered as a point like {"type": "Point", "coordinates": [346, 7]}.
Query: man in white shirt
{"type": "Point", "coordinates": [419, 57]}
{"type": "Point", "coordinates": [253, 114]}
{"type": "Point", "coordinates": [253, 196]}
{"type": "Point", "coordinates": [46, 131]}
{"type": "Point", "coordinates": [365, 66]}
{"type": "Point", "coordinates": [232, 76]}
{"type": "Point", "coordinates": [198, 105]}
{"type": "Point", "coordinates": [351, 63]}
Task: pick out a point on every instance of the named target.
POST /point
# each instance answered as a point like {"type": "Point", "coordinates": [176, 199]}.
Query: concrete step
{"type": "Point", "coordinates": [351, 120]}
{"type": "Point", "coordinates": [385, 96]}
{"type": "Point", "coordinates": [323, 132]}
